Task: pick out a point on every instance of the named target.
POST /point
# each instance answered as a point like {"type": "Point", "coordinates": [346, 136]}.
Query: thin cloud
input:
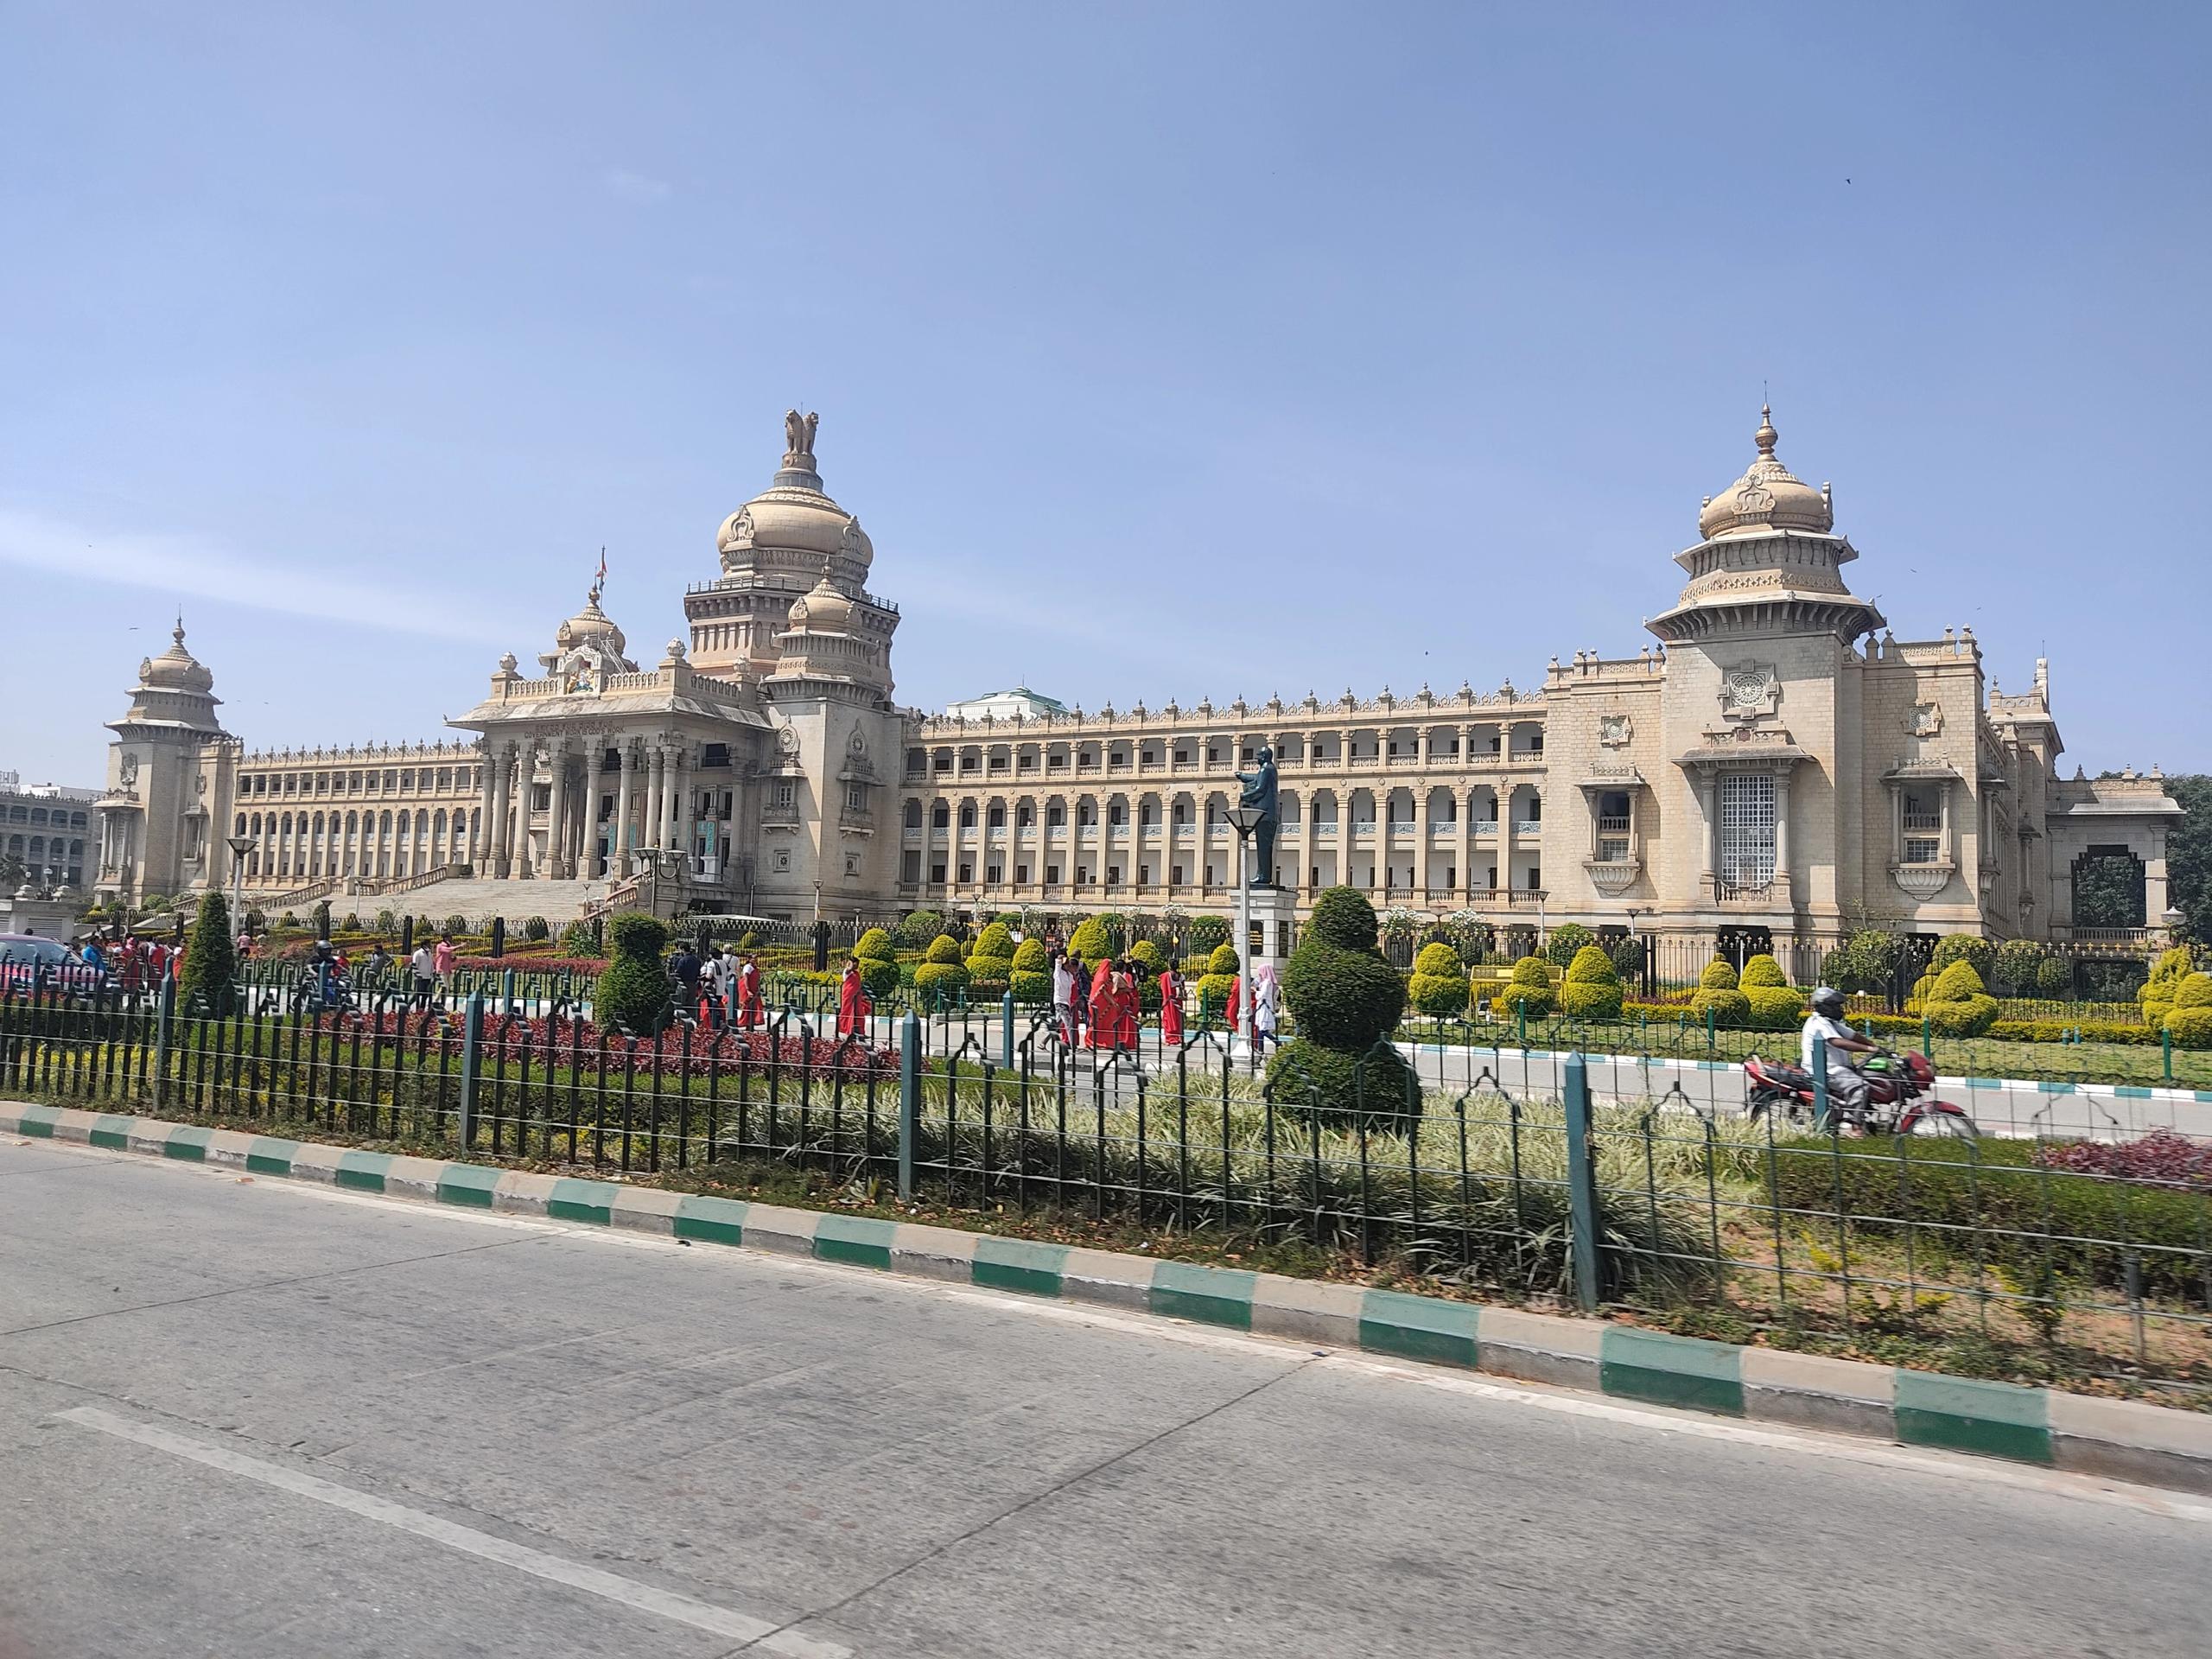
{"type": "Point", "coordinates": [192, 566]}
{"type": "Point", "coordinates": [635, 187]}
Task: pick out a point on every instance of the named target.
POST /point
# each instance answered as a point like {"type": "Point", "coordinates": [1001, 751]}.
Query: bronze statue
{"type": "Point", "coordinates": [798, 432]}
{"type": "Point", "coordinates": [1260, 791]}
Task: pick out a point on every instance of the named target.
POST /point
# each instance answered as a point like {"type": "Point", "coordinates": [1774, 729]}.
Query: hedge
{"type": "Point", "coordinates": [935, 979]}
{"type": "Point", "coordinates": [2037, 1214]}
{"type": "Point", "coordinates": [944, 952]}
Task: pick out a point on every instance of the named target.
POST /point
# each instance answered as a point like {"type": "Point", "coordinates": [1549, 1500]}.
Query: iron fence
{"type": "Point", "coordinates": [1565, 1178]}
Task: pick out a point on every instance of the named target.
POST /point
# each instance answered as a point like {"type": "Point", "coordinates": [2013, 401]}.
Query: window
{"type": "Point", "coordinates": [1175, 875]}
{"type": "Point", "coordinates": [1055, 817]}
{"type": "Point", "coordinates": [1024, 816]}
{"type": "Point", "coordinates": [1053, 875]}
{"type": "Point", "coordinates": [786, 793]}
{"type": "Point", "coordinates": [715, 755]}
{"type": "Point", "coordinates": [1923, 811]}
{"type": "Point", "coordinates": [1021, 873]}
{"type": "Point", "coordinates": [940, 815]}
{"type": "Point", "coordinates": [967, 815]}
{"type": "Point", "coordinates": [910, 867]}
{"type": "Point", "coordinates": [1746, 830]}
{"type": "Point", "coordinates": [993, 873]}
{"type": "Point", "coordinates": [997, 818]}
{"type": "Point", "coordinates": [967, 873]}
{"type": "Point", "coordinates": [913, 815]}
{"type": "Point", "coordinates": [852, 863]}
{"type": "Point", "coordinates": [1535, 876]}
{"type": "Point", "coordinates": [855, 797]}
{"type": "Point", "coordinates": [1117, 813]}
{"type": "Point", "coordinates": [936, 872]}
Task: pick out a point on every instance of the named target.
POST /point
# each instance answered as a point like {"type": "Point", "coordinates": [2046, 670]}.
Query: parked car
{"type": "Point", "coordinates": [30, 961]}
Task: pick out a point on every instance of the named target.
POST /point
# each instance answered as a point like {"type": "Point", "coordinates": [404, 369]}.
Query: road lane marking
{"type": "Point", "coordinates": [671, 1604]}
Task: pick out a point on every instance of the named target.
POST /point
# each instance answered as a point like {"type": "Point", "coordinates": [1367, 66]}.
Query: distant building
{"type": "Point", "coordinates": [49, 828]}
{"type": "Point", "coordinates": [1019, 703]}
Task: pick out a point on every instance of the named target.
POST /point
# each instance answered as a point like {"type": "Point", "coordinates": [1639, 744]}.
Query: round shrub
{"type": "Point", "coordinates": [996, 940]}
{"type": "Point", "coordinates": [1976, 952]}
{"type": "Point", "coordinates": [1719, 976]}
{"type": "Point", "coordinates": [1775, 1007]}
{"type": "Point", "coordinates": [2157, 996]}
{"type": "Point", "coordinates": [1343, 1087]}
{"type": "Point", "coordinates": [2195, 992]}
{"type": "Point", "coordinates": [1204, 933]}
{"type": "Point", "coordinates": [2189, 1022]}
{"type": "Point", "coordinates": [1030, 978]}
{"type": "Point", "coordinates": [536, 929]}
{"type": "Point", "coordinates": [1956, 1005]}
{"type": "Point", "coordinates": [875, 945]}
{"type": "Point", "coordinates": [1090, 943]}
{"type": "Point", "coordinates": [878, 975]}
{"type": "Point", "coordinates": [1222, 961]}
{"type": "Point", "coordinates": [938, 980]}
{"type": "Point", "coordinates": [920, 928]}
{"type": "Point", "coordinates": [1439, 986]}
{"type": "Point", "coordinates": [633, 992]}
{"type": "Point", "coordinates": [1150, 962]}
{"type": "Point", "coordinates": [1529, 989]}
{"type": "Point", "coordinates": [1717, 994]}
{"type": "Point", "coordinates": [2053, 978]}
{"type": "Point", "coordinates": [1591, 989]}
{"type": "Point", "coordinates": [748, 940]}
{"type": "Point", "coordinates": [944, 951]}
{"type": "Point", "coordinates": [990, 975]}
{"type": "Point", "coordinates": [1761, 970]}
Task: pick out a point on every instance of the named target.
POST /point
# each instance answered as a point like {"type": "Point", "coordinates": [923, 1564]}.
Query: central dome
{"type": "Point", "coordinates": [794, 523]}
{"type": "Point", "coordinates": [1767, 497]}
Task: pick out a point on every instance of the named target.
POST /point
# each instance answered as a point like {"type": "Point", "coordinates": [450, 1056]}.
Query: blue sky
{"type": "Point", "coordinates": [1163, 351]}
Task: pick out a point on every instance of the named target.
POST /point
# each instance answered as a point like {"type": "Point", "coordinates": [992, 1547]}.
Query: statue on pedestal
{"type": "Point", "coordinates": [798, 434]}
{"type": "Point", "coordinates": [1260, 791]}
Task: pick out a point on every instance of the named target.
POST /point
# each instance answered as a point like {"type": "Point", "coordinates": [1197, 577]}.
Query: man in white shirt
{"type": "Point", "coordinates": [1063, 997]}
{"type": "Point", "coordinates": [422, 964]}
{"type": "Point", "coordinates": [1846, 1087]}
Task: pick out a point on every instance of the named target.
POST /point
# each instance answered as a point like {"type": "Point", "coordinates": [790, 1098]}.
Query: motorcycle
{"type": "Point", "coordinates": [1894, 1085]}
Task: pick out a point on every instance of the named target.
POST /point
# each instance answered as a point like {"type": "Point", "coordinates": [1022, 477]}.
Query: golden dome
{"type": "Point", "coordinates": [590, 626]}
{"type": "Point", "coordinates": [1767, 497]}
{"type": "Point", "coordinates": [176, 668]}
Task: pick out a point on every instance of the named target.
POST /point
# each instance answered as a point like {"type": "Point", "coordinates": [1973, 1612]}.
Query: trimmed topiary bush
{"type": "Point", "coordinates": [1975, 951]}
{"type": "Point", "coordinates": [940, 983]}
{"type": "Point", "coordinates": [386, 922]}
{"type": "Point", "coordinates": [920, 928]}
{"type": "Point", "coordinates": [536, 928]}
{"type": "Point", "coordinates": [1718, 995]}
{"type": "Point", "coordinates": [1956, 1006]}
{"type": "Point", "coordinates": [1222, 960]}
{"type": "Point", "coordinates": [2189, 1022]}
{"type": "Point", "coordinates": [633, 992]}
{"type": "Point", "coordinates": [945, 950]}
{"type": "Point", "coordinates": [1346, 1000]}
{"type": "Point", "coordinates": [1529, 990]}
{"type": "Point", "coordinates": [1774, 1005]}
{"type": "Point", "coordinates": [1031, 976]}
{"type": "Point", "coordinates": [1591, 989]}
{"type": "Point", "coordinates": [1091, 944]}
{"type": "Point", "coordinates": [2157, 996]}
{"type": "Point", "coordinates": [875, 944]}
{"type": "Point", "coordinates": [1439, 986]}
{"type": "Point", "coordinates": [996, 940]}
{"type": "Point", "coordinates": [1205, 932]}
{"type": "Point", "coordinates": [879, 960]}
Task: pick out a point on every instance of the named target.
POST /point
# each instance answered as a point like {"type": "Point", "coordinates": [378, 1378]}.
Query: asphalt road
{"type": "Point", "coordinates": [250, 1419]}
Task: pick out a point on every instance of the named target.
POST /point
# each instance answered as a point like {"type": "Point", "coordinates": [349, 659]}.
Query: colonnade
{"type": "Point", "coordinates": [651, 780]}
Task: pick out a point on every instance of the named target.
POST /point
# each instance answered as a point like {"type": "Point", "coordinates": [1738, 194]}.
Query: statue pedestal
{"type": "Point", "coordinates": [1270, 914]}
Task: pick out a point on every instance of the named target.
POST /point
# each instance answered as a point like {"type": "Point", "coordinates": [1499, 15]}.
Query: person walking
{"type": "Point", "coordinates": [1264, 995]}
{"type": "Point", "coordinates": [442, 961]}
{"type": "Point", "coordinates": [853, 1006]}
{"type": "Point", "coordinates": [423, 965]}
{"type": "Point", "coordinates": [1128, 1006]}
{"type": "Point", "coordinates": [1063, 997]}
{"type": "Point", "coordinates": [1101, 1003]}
{"type": "Point", "coordinates": [748, 993]}
{"type": "Point", "coordinates": [1170, 1009]}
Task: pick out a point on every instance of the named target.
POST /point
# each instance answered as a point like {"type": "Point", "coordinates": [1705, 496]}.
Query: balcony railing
{"type": "Point", "coordinates": [1404, 827]}
{"type": "Point", "coordinates": [1485, 827]}
{"type": "Point", "coordinates": [1528, 826]}
{"type": "Point", "coordinates": [1923, 822]}
{"type": "Point", "coordinates": [1444, 826]}
{"type": "Point", "coordinates": [1610, 826]}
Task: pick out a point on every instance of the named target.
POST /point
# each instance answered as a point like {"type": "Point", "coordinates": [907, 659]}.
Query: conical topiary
{"type": "Point", "coordinates": [210, 961]}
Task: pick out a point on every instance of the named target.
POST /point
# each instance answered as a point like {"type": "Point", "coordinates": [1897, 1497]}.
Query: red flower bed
{"type": "Point", "coordinates": [2162, 1156]}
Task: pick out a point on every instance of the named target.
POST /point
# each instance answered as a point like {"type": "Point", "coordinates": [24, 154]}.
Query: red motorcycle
{"type": "Point", "coordinates": [1895, 1084]}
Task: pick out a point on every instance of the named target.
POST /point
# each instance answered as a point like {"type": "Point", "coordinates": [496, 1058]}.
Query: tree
{"type": "Point", "coordinates": [2108, 891]}
{"type": "Point", "coordinates": [13, 873]}
{"type": "Point", "coordinates": [1346, 1000]}
{"type": "Point", "coordinates": [632, 992]}
{"type": "Point", "coordinates": [2189, 855]}
{"type": "Point", "coordinates": [210, 961]}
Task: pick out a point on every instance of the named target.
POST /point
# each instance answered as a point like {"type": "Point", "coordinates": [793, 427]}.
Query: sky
{"type": "Point", "coordinates": [1164, 351]}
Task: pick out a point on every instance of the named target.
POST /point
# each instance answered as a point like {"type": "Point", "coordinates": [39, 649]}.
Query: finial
{"type": "Point", "coordinates": [177, 632]}
{"type": "Point", "coordinates": [1765, 436]}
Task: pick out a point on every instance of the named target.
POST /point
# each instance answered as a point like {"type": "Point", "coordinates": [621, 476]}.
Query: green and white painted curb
{"type": "Point", "coordinates": [2120, 1439]}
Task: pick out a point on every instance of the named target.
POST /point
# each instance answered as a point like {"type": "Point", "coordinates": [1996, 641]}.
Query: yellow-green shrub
{"type": "Point", "coordinates": [1529, 989]}
{"type": "Point", "coordinates": [1591, 989]}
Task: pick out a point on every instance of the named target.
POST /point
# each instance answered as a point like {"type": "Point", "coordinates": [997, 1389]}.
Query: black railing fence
{"type": "Point", "coordinates": [1590, 1182]}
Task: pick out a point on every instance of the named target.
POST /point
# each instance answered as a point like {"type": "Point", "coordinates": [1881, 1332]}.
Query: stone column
{"type": "Point", "coordinates": [1782, 829]}
{"type": "Point", "coordinates": [656, 763]}
{"type": "Point", "coordinates": [557, 819]}
{"type": "Point", "coordinates": [1466, 808]}
{"type": "Point", "coordinates": [672, 804]}
{"type": "Point", "coordinates": [617, 863]}
{"type": "Point", "coordinates": [1708, 794]}
{"type": "Point", "coordinates": [499, 770]}
{"type": "Point", "coordinates": [525, 794]}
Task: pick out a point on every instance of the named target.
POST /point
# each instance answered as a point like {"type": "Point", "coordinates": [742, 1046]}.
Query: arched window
{"type": "Point", "coordinates": [967, 815]}
{"type": "Point", "coordinates": [913, 815]}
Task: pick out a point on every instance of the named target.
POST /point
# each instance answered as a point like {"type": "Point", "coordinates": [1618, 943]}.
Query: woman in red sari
{"type": "Point", "coordinates": [853, 1007]}
{"type": "Point", "coordinates": [749, 993]}
{"type": "Point", "coordinates": [1101, 1004]}
{"type": "Point", "coordinates": [1127, 1009]}
{"type": "Point", "coordinates": [1170, 1009]}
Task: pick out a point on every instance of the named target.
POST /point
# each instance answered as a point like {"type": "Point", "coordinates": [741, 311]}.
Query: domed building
{"type": "Point", "coordinates": [1773, 769]}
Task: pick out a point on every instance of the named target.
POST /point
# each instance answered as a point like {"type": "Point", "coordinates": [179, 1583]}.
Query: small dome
{"type": "Point", "coordinates": [176, 668]}
{"type": "Point", "coordinates": [1767, 497]}
{"type": "Point", "coordinates": [824, 610]}
{"type": "Point", "coordinates": [793, 515]}
{"type": "Point", "coordinates": [590, 626]}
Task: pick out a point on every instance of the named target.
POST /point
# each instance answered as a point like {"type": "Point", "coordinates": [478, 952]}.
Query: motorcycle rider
{"type": "Point", "coordinates": [1846, 1086]}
